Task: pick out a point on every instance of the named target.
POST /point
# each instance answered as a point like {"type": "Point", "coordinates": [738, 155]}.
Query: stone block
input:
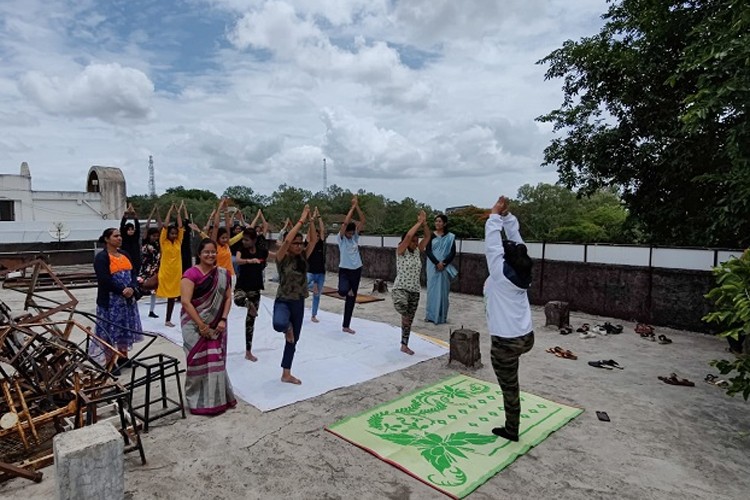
{"type": "Point", "coordinates": [464, 347]}
{"type": "Point", "coordinates": [89, 463]}
{"type": "Point", "coordinates": [557, 314]}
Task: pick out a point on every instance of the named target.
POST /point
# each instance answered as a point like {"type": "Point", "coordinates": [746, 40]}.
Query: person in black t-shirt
{"type": "Point", "coordinates": [316, 262]}
{"type": "Point", "coordinates": [250, 260]}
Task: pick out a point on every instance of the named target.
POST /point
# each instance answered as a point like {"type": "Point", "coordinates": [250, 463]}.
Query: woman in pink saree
{"type": "Point", "coordinates": [206, 294]}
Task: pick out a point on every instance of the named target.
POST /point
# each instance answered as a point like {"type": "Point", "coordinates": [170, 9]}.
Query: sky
{"type": "Point", "coordinates": [430, 99]}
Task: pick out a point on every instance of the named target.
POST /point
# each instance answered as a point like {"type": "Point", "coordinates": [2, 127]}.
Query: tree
{"type": "Point", "coordinates": [192, 194]}
{"type": "Point", "coordinates": [650, 107]}
{"type": "Point", "coordinates": [244, 197]}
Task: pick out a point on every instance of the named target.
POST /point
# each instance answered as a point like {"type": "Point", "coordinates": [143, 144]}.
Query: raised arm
{"type": "Point", "coordinates": [361, 215]}
{"type": "Point", "coordinates": [150, 216]}
{"type": "Point", "coordinates": [255, 220]}
{"type": "Point", "coordinates": [217, 217]}
{"type": "Point", "coordinates": [404, 245]}
{"type": "Point", "coordinates": [137, 223]}
{"type": "Point", "coordinates": [281, 252]}
{"type": "Point", "coordinates": [348, 217]}
{"type": "Point", "coordinates": [179, 215]}
{"type": "Point", "coordinates": [264, 226]}
{"type": "Point", "coordinates": [493, 239]}
{"type": "Point", "coordinates": [228, 217]}
{"type": "Point", "coordinates": [159, 222]}
{"type": "Point", "coordinates": [312, 238]}
{"type": "Point", "coordinates": [511, 227]}
{"type": "Point", "coordinates": [321, 226]}
{"type": "Point", "coordinates": [427, 237]}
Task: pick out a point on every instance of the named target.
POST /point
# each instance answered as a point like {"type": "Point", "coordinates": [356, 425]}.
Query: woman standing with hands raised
{"type": "Point", "coordinates": [406, 286]}
{"type": "Point", "coordinates": [350, 262]}
{"type": "Point", "coordinates": [289, 307]}
{"type": "Point", "coordinates": [170, 268]}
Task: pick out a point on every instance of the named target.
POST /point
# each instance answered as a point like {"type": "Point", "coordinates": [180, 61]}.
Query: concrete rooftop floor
{"type": "Point", "coordinates": [663, 441]}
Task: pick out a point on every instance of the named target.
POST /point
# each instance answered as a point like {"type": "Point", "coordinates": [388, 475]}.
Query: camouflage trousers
{"type": "Point", "coordinates": [405, 303]}
{"type": "Point", "coordinates": [504, 355]}
{"type": "Point", "coordinates": [251, 300]}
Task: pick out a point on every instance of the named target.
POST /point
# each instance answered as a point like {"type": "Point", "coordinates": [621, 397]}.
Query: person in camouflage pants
{"type": "Point", "coordinates": [250, 260]}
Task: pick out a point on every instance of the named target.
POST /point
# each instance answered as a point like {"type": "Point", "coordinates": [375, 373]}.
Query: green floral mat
{"type": "Point", "coordinates": [442, 434]}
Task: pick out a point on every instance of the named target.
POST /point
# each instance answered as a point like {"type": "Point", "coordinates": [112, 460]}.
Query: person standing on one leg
{"type": "Point", "coordinates": [250, 260]}
{"type": "Point", "coordinates": [289, 306]}
{"type": "Point", "coordinates": [407, 286]}
{"type": "Point", "coordinates": [316, 263]}
{"type": "Point", "coordinates": [350, 262]}
{"type": "Point", "coordinates": [508, 310]}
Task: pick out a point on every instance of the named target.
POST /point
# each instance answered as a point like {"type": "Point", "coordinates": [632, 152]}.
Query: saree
{"type": "Point", "coordinates": [439, 282]}
{"type": "Point", "coordinates": [208, 389]}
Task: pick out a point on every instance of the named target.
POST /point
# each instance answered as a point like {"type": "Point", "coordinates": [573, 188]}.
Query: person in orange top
{"type": "Point", "coordinates": [170, 268]}
{"type": "Point", "coordinates": [118, 321]}
{"type": "Point", "coordinates": [221, 236]}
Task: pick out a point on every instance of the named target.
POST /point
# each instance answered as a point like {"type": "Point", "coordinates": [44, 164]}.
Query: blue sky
{"type": "Point", "coordinates": [432, 99]}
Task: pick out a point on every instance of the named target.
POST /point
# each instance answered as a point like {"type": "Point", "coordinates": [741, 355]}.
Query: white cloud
{"type": "Point", "coordinates": [293, 38]}
{"type": "Point", "coordinates": [439, 95]}
{"type": "Point", "coordinates": [108, 92]}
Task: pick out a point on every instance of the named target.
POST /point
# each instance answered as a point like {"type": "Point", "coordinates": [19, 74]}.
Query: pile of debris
{"type": "Point", "coordinates": [48, 382]}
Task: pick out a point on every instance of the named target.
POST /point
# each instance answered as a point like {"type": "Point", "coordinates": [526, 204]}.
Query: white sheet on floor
{"type": "Point", "coordinates": [326, 358]}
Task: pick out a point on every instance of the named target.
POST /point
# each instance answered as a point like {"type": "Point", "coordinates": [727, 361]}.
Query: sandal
{"type": "Point", "coordinates": [714, 380]}
{"type": "Point", "coordinates": [587, 335]}
{"type": "Point", "coordinates": [561, 353]}
{"type": "Point", "coordinates": [648, 336]}
{"type": "Point", "coordinates": [613, 364]}
{"type": "Point", "coordinates": [644, 329]}
{"type": "Point", "coordinates": [600, 330]}
{"type": "Point", "coordinates": [673, 379]}
{"type": "Point", "coordinates": [584, 328]}
{"type": "Point", "coordinates": [600, 364]}
{"type": "Point", "coordinates": [566, 330]}
{"type": "Point", "coordinates": [612, 329]}
{"type": "Point", "coordinates": [663, 339]}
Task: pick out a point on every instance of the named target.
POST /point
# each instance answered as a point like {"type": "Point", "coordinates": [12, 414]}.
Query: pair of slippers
{"type": "Point", "coordinates": [607, 364]}
{"type": "Point", "coordinates": [566, 330]}
{"type": "Point", "coordinates": [673, 379]}
{"type": "Point", "coordinates": [663, 339]}
{"type": "Point", "coordinates": [561, 353]}
{"type": "Point", "coordinates": [714, 380]}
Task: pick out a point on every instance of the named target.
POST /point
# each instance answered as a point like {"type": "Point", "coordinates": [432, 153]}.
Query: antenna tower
{"type": "Point", "coordinates": [325, 176]}
{"type": "Point", "coordinates": [151, 183]}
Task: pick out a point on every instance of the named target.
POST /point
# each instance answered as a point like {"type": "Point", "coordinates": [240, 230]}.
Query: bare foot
{"type": "Point", "coordinates": [405, 348]}
{"type": "Point", "coordinates": [249, 356]}
{"type": "Point", "coordinates": [290, 335]}
{"type": "Point", "coordinates": [348, 330]}
{"type": "Point", "coordinates": [314, 320]}
{"type": "Point", "coordinates": [169, 324]}
{"type": "Point", "coordinates": [291, 379]}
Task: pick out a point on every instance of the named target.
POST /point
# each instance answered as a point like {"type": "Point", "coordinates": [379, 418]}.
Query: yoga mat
{"type": "Point", "coordinates": [326, 358]}
{"type": "Point", "coordinates": [442, 434]}
{"type": "Point", "coordinates": [361, 298]}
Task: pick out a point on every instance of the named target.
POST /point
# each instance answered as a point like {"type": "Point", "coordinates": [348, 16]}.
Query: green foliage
{"type": "Point", "coordinates": [468, 222]}
{"type": "Point", "coordinates": [549, 212]}
{"type": "Point", "coordinates": [656, 105]}
{"type": "Point", "coordinates": [731, 298]}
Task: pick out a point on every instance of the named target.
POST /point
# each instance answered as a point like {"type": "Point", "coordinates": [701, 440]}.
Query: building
{"type": "Point", "coordinates": [43, 216]}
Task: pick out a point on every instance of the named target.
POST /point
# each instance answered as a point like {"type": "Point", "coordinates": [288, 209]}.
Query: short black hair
{"type": "Point", "coordinates": [351, 227]}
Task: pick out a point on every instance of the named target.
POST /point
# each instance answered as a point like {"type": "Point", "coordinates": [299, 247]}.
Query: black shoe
{"type": "Point", "coordinates": [152, 314]}
{"type": "Point", "coordinates": [500, 431]}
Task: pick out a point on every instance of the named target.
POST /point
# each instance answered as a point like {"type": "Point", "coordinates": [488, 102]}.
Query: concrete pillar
{"type": "Point", "coordinates": [89, 463]}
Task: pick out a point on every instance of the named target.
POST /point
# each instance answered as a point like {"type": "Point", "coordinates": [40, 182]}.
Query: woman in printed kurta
{"type": "Point", "coordinates": [206, 300]}
{"type": "Point", "coordinates": [407, 285]}
{"type": "Point", "coordinates": [170, 268]}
